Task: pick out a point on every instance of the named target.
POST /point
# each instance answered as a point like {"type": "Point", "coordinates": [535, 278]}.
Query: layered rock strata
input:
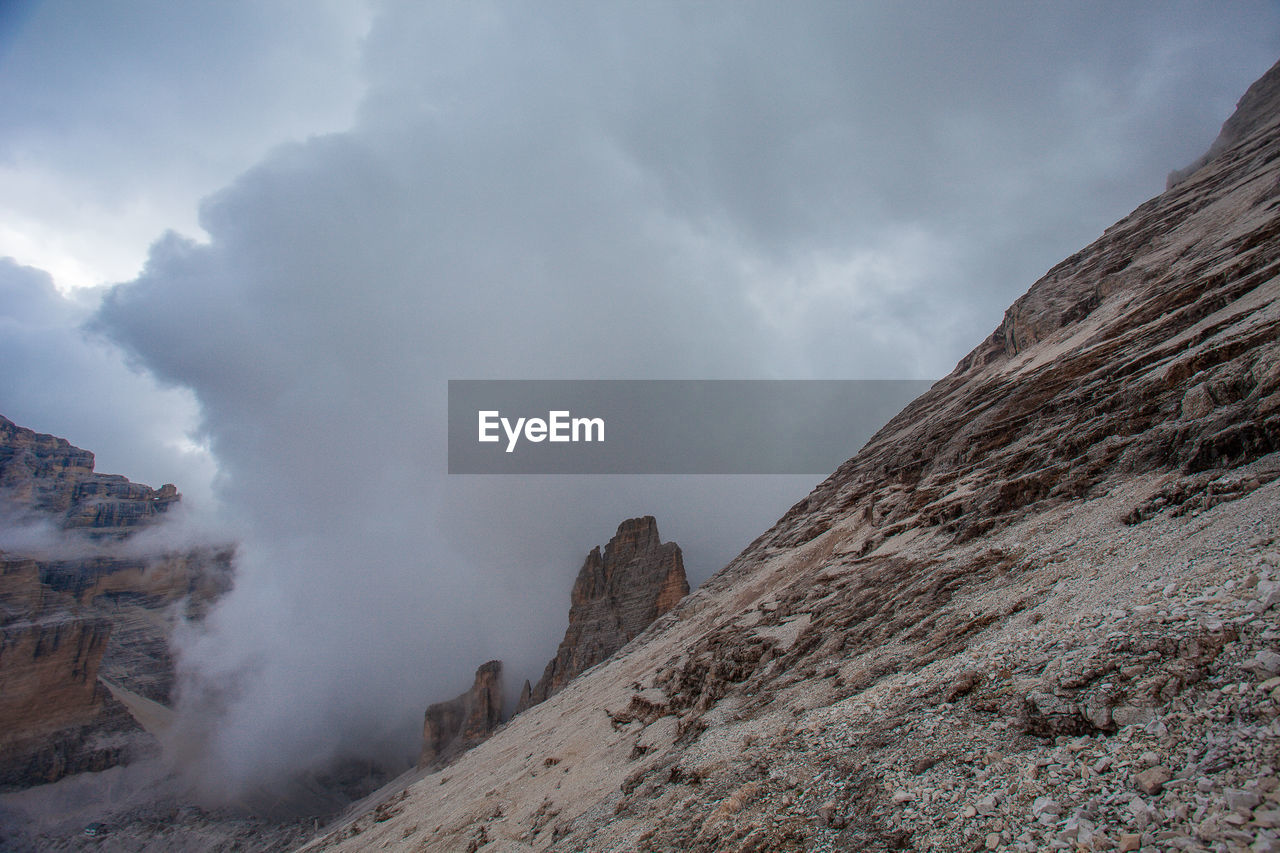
{"type": "Point", "coordinates": [78, 603]}
{"type": "Point", "coordinates": [1037, 611]}
{"type": "Point", "coordinates": [50, 653]}
{"type": "Point", "coordinates": [617, 594]}
{"type": "Point", "coordinates": [46, 478]}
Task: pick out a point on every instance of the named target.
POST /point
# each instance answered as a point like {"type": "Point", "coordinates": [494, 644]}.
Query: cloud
{"type": "Point", "coordinates": [116, 117]}
{"type": "Point", "coordinates": [622, 191]}
{"type": "Point", "coordinates": [59, 379]}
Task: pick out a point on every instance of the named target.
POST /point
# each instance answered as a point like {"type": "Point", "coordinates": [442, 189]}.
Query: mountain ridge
{"type": "Point", "coordinates": [1035, 611]}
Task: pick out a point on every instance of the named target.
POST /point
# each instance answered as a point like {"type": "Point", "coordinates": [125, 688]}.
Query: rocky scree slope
{"type": "Point", "coordinates": [1037, 611]}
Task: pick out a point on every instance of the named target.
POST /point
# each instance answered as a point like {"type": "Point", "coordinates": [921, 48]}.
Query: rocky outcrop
{"type": "Point", "coordinates": [1037, 611]}
{"type": "Point", "coordinates": [616, 596]}
{"type": "Point", "coordinates": [79, 605]}
{"type": "Point", "coordinates": [43, 477]}
{"type": "Point", "coordinates": [452, 727]}
{"type": "Point", "coordinates": [618, 593]}
{"type": "Point", "coordinates": [40, 472]}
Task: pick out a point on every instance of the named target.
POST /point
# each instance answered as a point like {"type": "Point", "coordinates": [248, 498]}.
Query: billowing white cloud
{"type": "Point", "coordinates": [568, 190]}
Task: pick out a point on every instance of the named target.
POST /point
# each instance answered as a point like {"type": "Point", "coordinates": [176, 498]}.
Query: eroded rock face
{"type": "Point", "coordinates": [80, 606]}
{"type": "Point", "coordinates": [40, 471]}
{"type": "Point", "coordinates": [50, 654]}
{"type": "Point", "coordinates": [617, 595]}
{"type": "Point", "coordinates": [452, 727]}
{"type": "Point", "coordinates": [43, 477]}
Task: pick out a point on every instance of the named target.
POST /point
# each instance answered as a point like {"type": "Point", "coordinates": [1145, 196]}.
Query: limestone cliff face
{"type": "Point", "coordinates": [78, 607]}
{"type": "Point", "coordinates": [616, 596]}
{"type": "Point", "coordinates": [50, 654]}
{"type": "Point", "coordinates": [44, 477]}
{"type": "Point", "coordinates": [450, 728]}
{"type": "Point", "coordinates": [49, 657]}
{"type": "Point", "coordinates": [40, 471]}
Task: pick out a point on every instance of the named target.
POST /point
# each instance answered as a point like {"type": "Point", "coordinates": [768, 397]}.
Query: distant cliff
{"type": "Point", "coordinates": [75, 606]}
{"type": "Point", "coordinates": [617, 594]}
{"type": "Point", "coordinates": [450, 728]}
{"type": "Point", "coordinates": [46, 478]}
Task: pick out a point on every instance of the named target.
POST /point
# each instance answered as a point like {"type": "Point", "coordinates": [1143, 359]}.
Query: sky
{"type": "Point", "coordinates": [249, 242]}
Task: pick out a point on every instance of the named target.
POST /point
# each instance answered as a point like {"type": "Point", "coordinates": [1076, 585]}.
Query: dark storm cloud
{"type": "Point", "coordinates": [610, 191]}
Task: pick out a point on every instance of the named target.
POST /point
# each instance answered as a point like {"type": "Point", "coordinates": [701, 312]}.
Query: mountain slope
{"type": "Point", "coordinates": [1036, 611]}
